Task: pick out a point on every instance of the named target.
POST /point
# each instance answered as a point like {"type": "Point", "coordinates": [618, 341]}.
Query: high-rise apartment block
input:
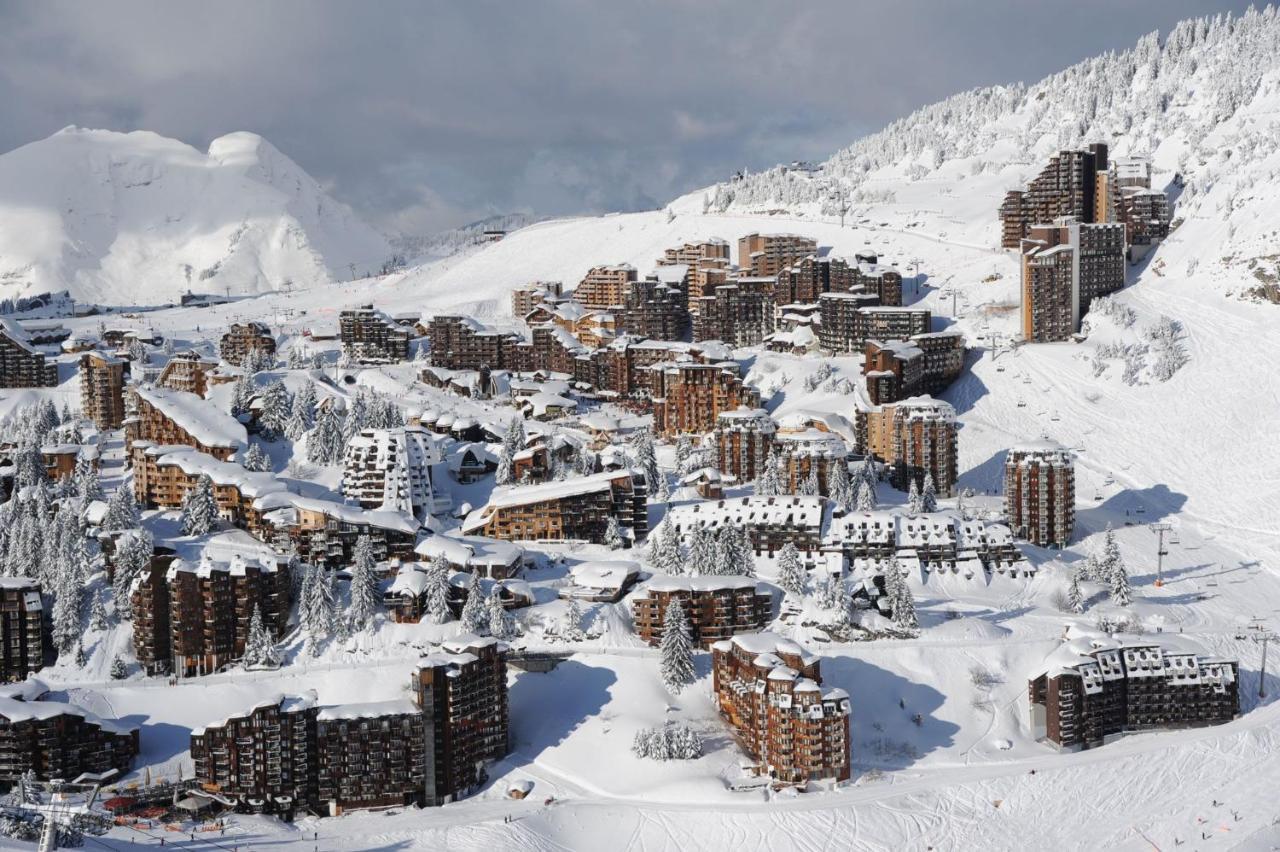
{"type": "Point", "coordinates": [765, 255]}
{"type": "Point", "coordinates": [1067, 186]}
{"type": "Point", "coordinates": [1040, 492]}
{"type": "Point", "coordinates": [770, 690]}
{"type": "Point", "coordinates": [22, 365]}
{"type": "Point", "coordinates": [1065, 266]}
{"type": "Point", "coordinates": [22, 628]}
{"type": "Point", "coordinates": [102, 389]}
{"type": "Point", "coordinates": [605, 287]}
{"type": "Point", "coordinates": [371, 337]}
{"type": "Point", "coordinates": [914, 437]}
{"type": "Point", "coordinates": [744, 439]}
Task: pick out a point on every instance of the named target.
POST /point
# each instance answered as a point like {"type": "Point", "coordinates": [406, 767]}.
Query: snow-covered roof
{"type": "Point", "coordinates": [200, 418]}
{"type": "Point", "coordinates": [368, 710]}
{"type": "Point", "coordinates": [223, 473]}
{"type": "Point", "coordinates": [398, 521]}
{"type": "Point", "coordinates": [470, 550]}
{"type": "Point", "coordinates": [520, 495]}
{"type": "Point", "coordinates": [772, 644]}
{"type": "Point", "coordinates": [711, 583]}
{"type": "Point", "coordinates": [286, 703]}
{"type": "Point", "coordinates": [206, 566]}
{"type": "Point", "coordinates": [604, 574]}
{"type": "Point", "coordinates": [19, 709]}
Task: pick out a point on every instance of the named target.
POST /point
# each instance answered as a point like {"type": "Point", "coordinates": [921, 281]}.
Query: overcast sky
{"type": "Point", "coordinates": [423, 116]}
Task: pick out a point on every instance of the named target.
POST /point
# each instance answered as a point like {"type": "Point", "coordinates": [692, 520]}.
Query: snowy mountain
{"type": "Point", "coordinates": [1201, 102]}
{"type": "Point", "coordinates": [128, 218]}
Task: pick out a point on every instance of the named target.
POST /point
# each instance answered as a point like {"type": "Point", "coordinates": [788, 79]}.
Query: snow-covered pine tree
{"type": "Point", "coordinates": [277, 407]}
{"type": "Point", "coordinates": [1075, 598]}
{"type": "Point", "coordinates": [119, 671]}
{"type": "Point", "coordinates": [325, 440]}
{"type": "Point", "coordinates": [745, 554]}
{"type": "Point", "coordinates": [1118, 572]}
{"type": "Point", "coordinates": [501, 625]}
{"type": "Point", "coordinates": [684, 448]}
{"type": "Point", "coordinates": [768, 482]}
{"type": "Point", "coordinates": [81, 657]}
{"type": "Point", "coordinates": [570, 628]}
{"type": "Point", "coordinates": [646, 457]}
{"type": "Point", "coordinates": [66, 611]}
{"type": "Point", "coordinates": [865, 501]}
{"type": "Point", "coordinates": [133, 555]}
{"type": "Point", "coordinates": [242, 396]}
{"type": "Point", "coordinates": [365, 585]}
{"type": "Point", "coordinates": [900, 597]}
{"type": "Point", "coordinates": [260, 646]}
{"type": "Point", "coordinates": [97, 611]}
{"type": "Point", "coordinates": [474, 617]}
{"type": "Point", "coordinates": [867, 472]}
{"type": "Point", "coordinates": [809, 486]}
{"type": "Point", "coordinates": [702, 552]}
{"type": "Point", "coordinates": [319, 611]}
{"type": "Point", "coordinates": [838, 482]}
{"type": "Point", "coordinates": [661, 489]}
{"type": "Point", "coordinates": [513, 441]}
{"type": "Point", "coordinates": [303, 414]}
{"type": "Point", "coordinates": [122, 511]}
{"type": "Point", "coordinates": [915, 503]}
{"type": "Point", "coordinates": [437, 590]}
{"type": "Point", "coordinates": [791, 574]}
{"type": "Point", "coordinates": [88, 485]}
{"type": "Point", "coordinates": [613, 534]}
{"type": "Point", "coordinates": [1111, 558]}
{"type": "Point", "coordinates": [928, 495]}
{"type": "Point", "coordinates": [256, 460]}
{"type": "Point", "coordinates": [199, 509]}
{"type": "Point", "coordinates": [676, 648]}
{"type": "Point", "coordinates": [28, 467]}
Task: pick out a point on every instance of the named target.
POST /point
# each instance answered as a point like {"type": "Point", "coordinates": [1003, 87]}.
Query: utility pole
{"type": "Point", "coordinates": [1160, 529]}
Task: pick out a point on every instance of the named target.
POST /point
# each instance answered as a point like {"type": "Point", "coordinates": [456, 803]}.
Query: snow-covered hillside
{"type": "Point", "coordinates": [135, 218]}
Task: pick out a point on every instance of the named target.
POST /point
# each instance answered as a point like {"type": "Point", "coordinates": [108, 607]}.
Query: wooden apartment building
{"type": "Point", "coordinates": [770, 691]}
{"type": "Point", "coordinates": [163, 416]}
{"type": "Point", "coordinates": [22, 365]}
{"type": "Point", "coordinates": [1040, 492]}
{"type": "Point", "coordinates": [23, 635]}
{"type": "Point", "coordinates": [243, 338]}
{"type": "Point", "coordinates": [371, 337]}
{"type": "Point", "coordinates": [715, 607]}
{"type": "Point", "coordinates": [102, 389]}
{"type": "Point", "coordinates": [55, 739]}
{"type": "Point", "coordinates": [575, 509]}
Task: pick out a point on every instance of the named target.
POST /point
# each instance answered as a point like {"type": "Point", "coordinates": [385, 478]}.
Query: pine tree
{"type": "Point", "coordinates": [865, 501]}
{"type": "Point", "coordinates": [133, 554]}
{"type": "Point", "coordinates": [915, 504]}
{"type": "Point", "coordinates": [662, 488]}
{"type": "Point", "coordinates": [365, 586]}
{"type": "Point", "coordinates": [325, 440]}
{"type": "Point", "coordinates": [122, 511]}
{"type": "Point", "coordinates": [97, 612]}
{"type": "Point", "coordinates": [791, 574]}
{"type": "Point", "coordinates": [1075, 598]}
{"type": "Point", "coordinates": [838, 482]}
{"type": "Point", "coordinates": [1119, 576]}
{"type": "Point", "coordinates": [66, 611]}
{"type": "Point", "coordinates": [929, 495]}
{"type": "Point", "coordinates": [28, 467]}
{"type": "Point", "coordinates": [571, 623]}
{"type": "Point", "coordinates": [676, 648]}
{"type": "Point", "coordinates": [437, 590]}
{"type": "Point", "coordinates": [474, 617]}
{"type": "Point", "coordinates": [256, 460]}
{"type": "Point", "coordinates": [613, 534]}
{"type": "Point", "coordinates": [88, 485]}
{"type": "Point", "coordinates": [684, 449]}
{"type": "Point", "coordinates": [242, 396]}
{"type": "Point", "coordinates": [900, 597]}
{"type": "Point", "coordinates": [513, 441]}
{"type": "Point", "coordinates": [744, 552]}
{"type": "Point", "coordinates": [260, 647]}
{"type": "Point", "coordinates": [768, 483]}
{"type": "Point", "coordinates": [199, 509]}
{"type": "Point", "coordinates": [646, 457]}
{"type": "Point", "coordinates": [81, 658]}
{"type": "Point", "coordinates": [319, 612]}
{"type": "Point", "coordinates": [809, 487]}
{"type": "Point", "coordinates": [501, 625]}
{"type": "Point", "coordinates": [1091, 569]}
{"type": "Point", "coordinates": [867, 472]}
{"type": "Point", "coordinates": [303, 415]}
{"type": "Point", "coordinates": [277, 406]}
{"type": "Point", "coordinates": [118, 669]}
{"type": "Point", "coordinates": [1112, 562]}
{"type": "Point", "coordinates": [702, 552]}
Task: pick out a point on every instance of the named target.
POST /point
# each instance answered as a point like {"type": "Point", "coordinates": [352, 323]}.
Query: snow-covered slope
{"type": "Point", "coordinates": [128, 218]}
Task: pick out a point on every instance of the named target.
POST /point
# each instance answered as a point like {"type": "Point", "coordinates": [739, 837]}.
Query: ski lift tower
{"type": "Point", "coordinates": [66, 806]}
{"type": "Point", "coordinates": [1262, 634]}
{"type": "Point", "coordinates": [1160, 529]}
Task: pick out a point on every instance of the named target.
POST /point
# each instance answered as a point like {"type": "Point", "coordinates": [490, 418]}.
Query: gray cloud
{"type": "Point", "coordinates": [426, 115]}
